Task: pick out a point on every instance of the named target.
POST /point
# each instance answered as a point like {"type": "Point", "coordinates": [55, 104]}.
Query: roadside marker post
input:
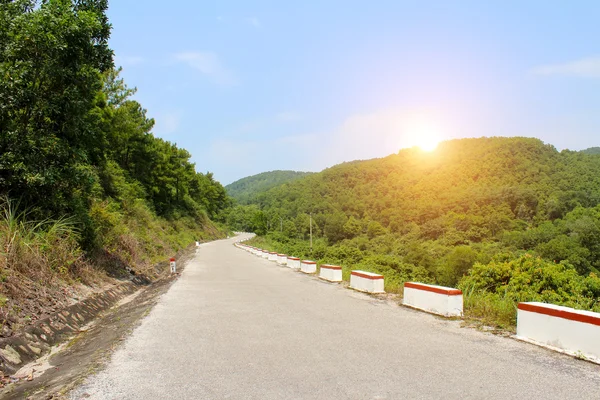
{"type": "Point", "coordinates": [173, 265]}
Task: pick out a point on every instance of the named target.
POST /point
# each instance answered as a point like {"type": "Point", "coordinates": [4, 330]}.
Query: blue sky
{"type": "Point", "coordinates": [253, 86]}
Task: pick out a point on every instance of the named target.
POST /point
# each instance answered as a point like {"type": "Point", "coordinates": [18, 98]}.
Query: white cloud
{"type": "Point", "coordinates": [255, 22]}
{"type": "Point", "coordinates": [127, 61]}
{"type": "Point", "coordinates": [167, 122]}
{"type": "Point", "coordinates": [585, 68]}
{"type": "Point", "coordinates": [208, 64]}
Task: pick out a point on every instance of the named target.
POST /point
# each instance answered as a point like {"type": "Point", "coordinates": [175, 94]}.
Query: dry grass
{"type": "Point", "coordinates": [40, 263]}
{"type": "Point", "coordinates": [43, 268]}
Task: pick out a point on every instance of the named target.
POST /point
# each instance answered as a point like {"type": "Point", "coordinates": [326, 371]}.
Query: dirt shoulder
{"type": "Point", "coordinates": [87, 347]}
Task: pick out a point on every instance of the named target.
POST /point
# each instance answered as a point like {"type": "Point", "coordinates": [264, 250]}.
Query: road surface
{"type": "Point", "coordinates": [236, 326]}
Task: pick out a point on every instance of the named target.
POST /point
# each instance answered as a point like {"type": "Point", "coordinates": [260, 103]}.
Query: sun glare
{"type": "Point", "coordinates": [425, 136]}
{"type": "Point", "coordinates": [428, 143]}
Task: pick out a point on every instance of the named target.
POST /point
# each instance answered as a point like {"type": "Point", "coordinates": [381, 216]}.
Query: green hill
{"type": "Point", "coordinates": [591, 150]}
{"type": "Point", "coordinates": [247, 189]}
{"type": "Point", "coordinates": [510, 215]}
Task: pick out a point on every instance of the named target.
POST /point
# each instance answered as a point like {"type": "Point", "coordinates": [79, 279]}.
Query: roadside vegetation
{"type": "Point", "coordinates": [87, 191]}
{"type": "Point", "coordinates": [503, 219]}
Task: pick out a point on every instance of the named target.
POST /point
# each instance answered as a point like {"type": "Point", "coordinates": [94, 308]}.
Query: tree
{"type": "Point", "coordinates": [352, 228]}
{"type": "Point", "coordinates": [334, 227]}
{"type": "Point", "coordinates": [51, 58]}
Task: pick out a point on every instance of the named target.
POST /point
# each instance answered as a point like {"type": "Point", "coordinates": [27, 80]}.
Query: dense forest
{"type": "Point", "coordinates": [505, 219]}
{"type": "Point", "coordinates": [85, 186]}
{"type": "Point", "coordinates": [250, 189]}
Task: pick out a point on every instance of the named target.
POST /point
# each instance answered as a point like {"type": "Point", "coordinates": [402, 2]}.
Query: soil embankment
{"type": "Point", "coordinates": [87, 330]}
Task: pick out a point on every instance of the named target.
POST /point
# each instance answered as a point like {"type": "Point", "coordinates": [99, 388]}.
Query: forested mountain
{"type": "Point", "coordinates": [247, 190]}
{"type": "Point", "coordinates": [591, 150]}
{"type": "Point", "coordinates": [433, 216]}
{"type": "Point", "coordinates": [85, 186]}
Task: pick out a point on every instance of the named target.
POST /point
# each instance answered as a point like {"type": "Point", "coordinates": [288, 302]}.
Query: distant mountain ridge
{"type": "Point", "coordinates": [591, 150]}
{"type": "Point", "coordinates": [246, 190]}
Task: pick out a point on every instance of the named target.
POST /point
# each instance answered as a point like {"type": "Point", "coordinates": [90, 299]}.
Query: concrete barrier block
{"type": "Point", "coordinates": [293, 262]}
{"type": "Point", "coordinates": [308, 267]}
{"type": "Point", "coordinates": [331, 273]}
{"type": "Point", "coordinates": [282, 259]}
{"type": "Point", "coordinates": [265, 254]}
{"type": "Point", "coordinates": [367, 282]}
{"type": "Point", "coordinates": [565, 329]}
{"type": "Point", "coordinates": [435, 299]}
{"type": "Point", "coordinates": [272, 256]}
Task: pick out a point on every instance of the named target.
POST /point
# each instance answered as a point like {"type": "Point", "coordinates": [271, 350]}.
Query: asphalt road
{"type": "Point", "coordinates": [236, 326]}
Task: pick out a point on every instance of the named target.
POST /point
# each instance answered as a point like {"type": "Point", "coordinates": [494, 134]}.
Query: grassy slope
{"type": "Point", "coordinates": [44, 268]}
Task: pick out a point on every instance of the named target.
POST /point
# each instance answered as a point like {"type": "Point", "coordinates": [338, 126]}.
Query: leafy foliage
{"type": "Point", "coordinates": [72, 135]}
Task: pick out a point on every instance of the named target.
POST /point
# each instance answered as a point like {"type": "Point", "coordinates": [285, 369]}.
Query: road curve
{"type": "Point", "coordinates": [235, 326]}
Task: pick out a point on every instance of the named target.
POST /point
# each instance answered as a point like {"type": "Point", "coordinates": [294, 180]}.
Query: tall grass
{"type": "Point", "coordinates": [490, 308]}
{"type": "Point", "coordinates": [38, 249]}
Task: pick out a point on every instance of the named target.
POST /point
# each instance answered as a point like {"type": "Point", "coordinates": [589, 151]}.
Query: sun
{"type": "Point", "coordinates": [423, 131]}
{"type": "Point", "coordinates": [425, 136]}
{"type": "Point", "coordinates": [428, 143]}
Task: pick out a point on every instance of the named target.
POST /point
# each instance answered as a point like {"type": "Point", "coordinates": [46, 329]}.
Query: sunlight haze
{"type": "Point", "coordinates": [256, 86]}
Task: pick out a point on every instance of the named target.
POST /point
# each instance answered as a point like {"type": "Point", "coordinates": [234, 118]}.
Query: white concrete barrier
{"type": "Point", "coordinates": [272, 256]}
{"type": "Point", "coordinates": [282, 259]}
{"type": "Point", "coordinates": [331, 273]}
{"type": "Point", "coordinates": [366, 282]}
{"type": "Point", "coordinates": [565, 329]}
{"type": "Point", "coordinates": [308, 267]}
{"type": "Point", "coordinates": [293, 262]}
{"type": "Point", "coordinates": [265, 254]}
{"type": "Point", "coordinates": [435, 299]}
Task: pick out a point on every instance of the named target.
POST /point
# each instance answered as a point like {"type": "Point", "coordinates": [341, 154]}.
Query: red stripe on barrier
{"type": "Point", "coordinates": [363, 275]}
{"type": "Point", "coordinates": [281, 255]}
{"type": "Point", "coordinates": [564, 314]}
{"type": "Point", "coordinates": [308, 262]}
{"type": "Point", "coordinates": [327, 266]}
{"type": "Point", "coordinates": [420, 286]}
{"type": "Point", "coordinates": [293, 258]}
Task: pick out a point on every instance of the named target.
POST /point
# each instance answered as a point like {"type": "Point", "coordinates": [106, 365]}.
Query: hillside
{"type": "Point", "coordinates": [246, 190]}
{"type": "Point", "coordinates": [88, 194]}
{"type": "Point", "coordinates": [591, 150]}
{"type": "Point", "coordinates": [450, 217]}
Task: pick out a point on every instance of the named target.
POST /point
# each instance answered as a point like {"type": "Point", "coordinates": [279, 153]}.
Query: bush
{"type": "Point", "coordinates": [527, 278]}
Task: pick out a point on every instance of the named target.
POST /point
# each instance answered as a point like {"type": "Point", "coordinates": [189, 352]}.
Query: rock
{"type": "Point", "coordinates": [36, 350]}
{"type": "Point", "coordinates": [10, 355]}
